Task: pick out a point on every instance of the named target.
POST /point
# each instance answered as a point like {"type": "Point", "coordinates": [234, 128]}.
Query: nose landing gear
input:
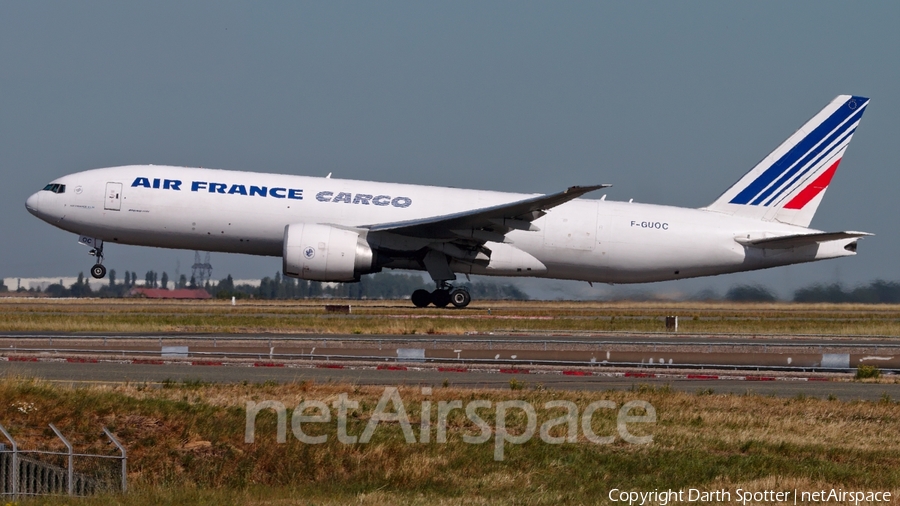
{"type": "Point", "coordinates": [98, 271]}
{"type": "Point", "coordinates": [444, 295]}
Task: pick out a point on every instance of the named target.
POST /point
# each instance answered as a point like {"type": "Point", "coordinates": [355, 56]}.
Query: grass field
{"type": "Point", "coordinates": [398, 317]}
{"type": "Point", "coordinates": [186, 440]}
{"type": "Point", "coordinates": [186, 444]}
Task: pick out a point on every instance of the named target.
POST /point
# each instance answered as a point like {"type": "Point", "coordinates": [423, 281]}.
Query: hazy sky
{"type": "Point", "coordinates": [671, 102]}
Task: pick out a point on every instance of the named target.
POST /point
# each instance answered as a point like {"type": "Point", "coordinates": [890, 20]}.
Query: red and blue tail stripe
{"type": "Point", "coordinates": [788, 185]}
{"type": "Point", "coordinates": [811, 190]}
{"type": "Point", "coordinates": [826, 141]}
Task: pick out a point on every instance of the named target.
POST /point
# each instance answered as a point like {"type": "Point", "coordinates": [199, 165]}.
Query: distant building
{"type": "Point", "coordinates": [239, 282]}
{"type": "Point", "coordinates": [13, 284]}
{"type": "Point", "coordinates": [160, 293]}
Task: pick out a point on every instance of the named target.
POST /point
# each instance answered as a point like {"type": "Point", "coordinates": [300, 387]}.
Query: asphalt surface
{"type": "Point", "coordinates": [748, 353]}
{"type": "Point", "coordinates": [537, 338]}
{"type": "Point", "coordinates": [76, 374]}
{"type": "Point", "coordinates": [726, 349]}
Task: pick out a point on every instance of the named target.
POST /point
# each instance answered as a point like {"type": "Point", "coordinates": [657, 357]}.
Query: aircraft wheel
{"type": "Point", "coordinates": [98, 271]}
{"type": "Point", "coordinates": [440, 298]}
{"type": "Point", "coordinates": [421, 298]}
{"type": "Point", "coordinates": [460, 298]}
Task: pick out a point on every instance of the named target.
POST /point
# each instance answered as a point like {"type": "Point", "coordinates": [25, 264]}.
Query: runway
{"type": "Point", "coordinates": [77, 374]}
{"type": "Point", "coordinates": [779, 366]}
{"type": "Point", "coordinates": [658, 351]}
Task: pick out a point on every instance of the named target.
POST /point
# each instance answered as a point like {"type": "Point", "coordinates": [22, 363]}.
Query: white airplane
{"type": "Point", "coordinates": [338, 230]}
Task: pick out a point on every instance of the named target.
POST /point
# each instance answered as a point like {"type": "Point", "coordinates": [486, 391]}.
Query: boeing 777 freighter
{"type": "Point", "coordinates": [329, 229]}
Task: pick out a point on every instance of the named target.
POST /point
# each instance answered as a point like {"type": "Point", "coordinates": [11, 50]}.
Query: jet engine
{"type": "Point", "coordinates": [325, 253]}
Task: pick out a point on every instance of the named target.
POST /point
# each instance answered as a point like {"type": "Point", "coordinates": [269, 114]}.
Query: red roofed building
{"type": "Point", "coordinates": [160, 293]}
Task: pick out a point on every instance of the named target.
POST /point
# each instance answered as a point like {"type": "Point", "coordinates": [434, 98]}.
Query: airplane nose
{"type": "Point", "coordinates": [32, 203]}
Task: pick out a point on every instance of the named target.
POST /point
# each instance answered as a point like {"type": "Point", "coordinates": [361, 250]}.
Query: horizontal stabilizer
{"type": "Point", "coordinates": [793, 241]}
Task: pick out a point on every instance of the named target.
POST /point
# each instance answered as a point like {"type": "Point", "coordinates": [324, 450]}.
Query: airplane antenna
{"type": "Point", "coordinates": [328, 176]}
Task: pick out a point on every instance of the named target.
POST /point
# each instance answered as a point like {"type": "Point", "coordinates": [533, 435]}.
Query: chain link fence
{"type": "Point", "coordinates": [42, 472]}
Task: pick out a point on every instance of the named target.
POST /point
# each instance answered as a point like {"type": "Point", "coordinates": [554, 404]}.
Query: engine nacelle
{"type": "Point", "coordinates": [325, 253]}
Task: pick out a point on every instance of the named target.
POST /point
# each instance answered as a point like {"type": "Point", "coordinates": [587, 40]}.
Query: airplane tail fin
{"type": "Point", "coordinates": [788, 185]}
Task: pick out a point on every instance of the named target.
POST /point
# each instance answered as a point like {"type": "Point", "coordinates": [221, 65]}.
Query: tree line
{"type": "Point", "coordinates": [876, 292]}
{"type": "Point", "coordinates": [111, 287]}
{"type": "Point", "coordinates": [398, 285]}
{"type": "Point", "coordinates": [380, 285]}
{"type": "Point", "coordinates": [374, 286]}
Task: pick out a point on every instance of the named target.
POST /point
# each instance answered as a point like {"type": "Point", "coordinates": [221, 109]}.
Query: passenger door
{"type": "Point", "coordinates": [113, 197]}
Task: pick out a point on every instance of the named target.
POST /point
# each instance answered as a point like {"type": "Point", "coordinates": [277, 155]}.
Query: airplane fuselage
{"type": "Point", "coordinates": [247, 212]}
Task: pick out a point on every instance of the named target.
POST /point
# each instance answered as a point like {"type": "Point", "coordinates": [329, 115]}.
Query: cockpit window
{"type": "Point", "coordinates": [55, 188]}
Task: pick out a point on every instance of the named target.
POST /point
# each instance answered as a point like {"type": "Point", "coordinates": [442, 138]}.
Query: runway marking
{"type": "Point", "coordinates": [102, 382]}
{"type": "Point", "coordinates": [386, 367]}
{"type": "Point", "coordinates": [392, 368]}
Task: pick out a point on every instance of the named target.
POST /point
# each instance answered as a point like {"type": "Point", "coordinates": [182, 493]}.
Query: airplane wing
{"type": "Point", "coordinates": [485, 224]}
{"type": "Point", "coordinates": [792, 241]}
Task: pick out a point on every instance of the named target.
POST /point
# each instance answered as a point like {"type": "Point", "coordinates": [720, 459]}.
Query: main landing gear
{"type": "Point", "coordinates": [444, 295]}
{"type": "Point", "coordinates": [98, 271]}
